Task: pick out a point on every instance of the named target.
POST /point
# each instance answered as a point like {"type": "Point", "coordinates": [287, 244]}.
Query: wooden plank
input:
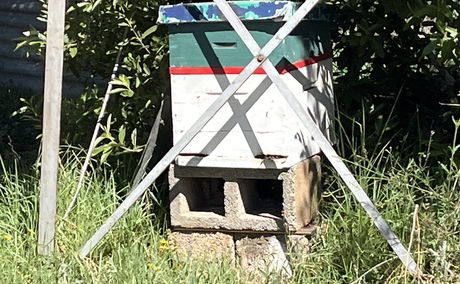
{"type": "Point", "coordinates": [259, 101]}
{"type": "Point", "coordinates": [51, 126]}
{"type": "Point", "coordinates": [214, 48]}
{"type": "Point", "coordinates": [149, 150]}
{"type": "Point", "coordinates": [201, 172]}
{"type": "Point", "coordinates": [261, 113]}
{"type": "Point", "coordinates": [207, 115]}
{"type": "Point", "coordinates": [322, 141]}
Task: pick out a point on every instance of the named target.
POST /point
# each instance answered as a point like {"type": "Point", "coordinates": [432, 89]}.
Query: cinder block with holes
{"type": "Point", "coordinates": [245, 199]}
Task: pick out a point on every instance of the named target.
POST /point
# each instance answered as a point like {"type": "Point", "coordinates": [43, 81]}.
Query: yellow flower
{"type": "Point", "coordinates": [30, 231]}
{"type": "Point", "coordinates": [7, 237]}
{"type": "Point", "coordinates": [155, 268]}
{"type": "Point", "coordinates": [164, 244]}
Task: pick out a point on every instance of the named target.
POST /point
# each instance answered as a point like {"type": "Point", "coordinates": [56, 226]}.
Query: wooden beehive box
{"type": "Point", "coordinates": [256, 128]}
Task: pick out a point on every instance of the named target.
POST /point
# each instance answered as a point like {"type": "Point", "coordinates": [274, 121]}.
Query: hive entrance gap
{"type": "Point", "coordinates": [207, 195]}
{"type": "Point", "coordinates": [262, 197]}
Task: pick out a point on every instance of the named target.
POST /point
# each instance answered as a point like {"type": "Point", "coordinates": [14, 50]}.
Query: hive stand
{"type": "Point", "coordinates": [260, 58]}
{"type": "Point", "coordinates": [249, 200]}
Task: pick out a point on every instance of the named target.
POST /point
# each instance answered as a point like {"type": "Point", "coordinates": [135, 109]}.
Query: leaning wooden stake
{"type": "Point", "coordinates": [51, 126]}
{"type": "Point", "coordinates": [197, 126]}
{"type": "Point", "coordinates": [150, 146]}
{"type": "Point", "coordinates": [319, 138]}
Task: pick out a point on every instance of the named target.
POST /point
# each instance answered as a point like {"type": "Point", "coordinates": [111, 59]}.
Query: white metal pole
{"type": "Point", "coordinates": [51, 126]}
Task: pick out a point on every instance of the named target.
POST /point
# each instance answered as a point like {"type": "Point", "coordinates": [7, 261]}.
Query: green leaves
{"type": "Point", "coordinates": [32, 41]}
{"type": "Point", "coordinates": [95, 32]}
{"type": "Point", "coordinates": [149, 31]}
{"type": "Point", "coordinates": [108, 144]}
{"type": "Point", "coordinates": [124, 88]}
{"type": "Point", "coordinates": [389, 49]}
{"type": "Point", "coordinates": [429, 48]}
{"type": "Point", "coordinates": [439, 22]}
{"type": "Point", "coordinates": [73, 51]}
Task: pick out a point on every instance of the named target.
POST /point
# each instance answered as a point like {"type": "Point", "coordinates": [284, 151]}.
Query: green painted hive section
{"type": "Point", "coordinates": [217, 44]}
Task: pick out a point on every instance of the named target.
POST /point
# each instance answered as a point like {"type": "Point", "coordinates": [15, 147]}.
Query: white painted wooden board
{"type": "Point", "coordinates": [257, 121]}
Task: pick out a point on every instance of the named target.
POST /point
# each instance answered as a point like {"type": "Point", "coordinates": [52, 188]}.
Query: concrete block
{"type": "Point", "coordinates": [298, 244]}
{"type": "Point", "coordinates": [301, 193]}
{"type": "Point", "coordinates": [207, 246]}
{"type": "Point", "coordinates": [239, 199]}
{"type": "Point", "coordinates": [223, 201]}
{"type": "Point", "coordinates": [263, 255]}
{"type": "Point", "coordinates": [196, 203]}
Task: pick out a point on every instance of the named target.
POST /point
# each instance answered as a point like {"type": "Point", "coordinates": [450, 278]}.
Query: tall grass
{"type": "Point", "coordinates": [346, 249]}
{"type": "Point", "coordinates": [130, 254]}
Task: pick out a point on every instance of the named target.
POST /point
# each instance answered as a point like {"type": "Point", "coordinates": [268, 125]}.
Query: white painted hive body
{"type": "Point", "coordinates": [256, 128]}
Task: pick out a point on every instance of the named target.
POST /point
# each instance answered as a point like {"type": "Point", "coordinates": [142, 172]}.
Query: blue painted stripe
{"type": "Point", "coordinates": [245, 10]}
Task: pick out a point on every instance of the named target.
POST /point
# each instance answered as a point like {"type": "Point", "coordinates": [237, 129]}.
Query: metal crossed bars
{"type": "Point", "coordinates": [261, 58]}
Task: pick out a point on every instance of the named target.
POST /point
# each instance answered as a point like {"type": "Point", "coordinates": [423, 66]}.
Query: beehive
{"type": "Point", "coordinates": [256, 128]}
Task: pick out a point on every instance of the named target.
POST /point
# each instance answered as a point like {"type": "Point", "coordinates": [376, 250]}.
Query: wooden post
{"type": "Point", "coordinates": [51, 126]}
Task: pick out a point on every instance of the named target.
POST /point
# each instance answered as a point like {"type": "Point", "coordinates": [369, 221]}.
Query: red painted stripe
{"type": "Point", "coordinates": [188, 70]}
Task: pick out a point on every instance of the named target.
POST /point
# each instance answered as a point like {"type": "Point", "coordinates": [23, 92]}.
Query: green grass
{"type": "Point", "coordinates": [346, 249]}
{"type": "Point", "coordinates": [131, 253]}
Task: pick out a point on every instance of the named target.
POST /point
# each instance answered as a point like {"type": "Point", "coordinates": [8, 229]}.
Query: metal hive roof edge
{"type": "Point", "coordinates": [245, 10]}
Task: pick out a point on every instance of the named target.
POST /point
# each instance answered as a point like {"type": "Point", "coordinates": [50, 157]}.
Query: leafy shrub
{"type": "Point", "coordinates": [95, 32]}
{"type": "Point", "coordinates": [17, 133]}
{"type": "Point", "coordinates": [396, 59]}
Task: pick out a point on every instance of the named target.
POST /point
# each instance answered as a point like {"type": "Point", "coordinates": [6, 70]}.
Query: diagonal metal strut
{"type": "Point", "coordinates": [319, 138]}
{"type": "Point", "coordinates": [162, 165]}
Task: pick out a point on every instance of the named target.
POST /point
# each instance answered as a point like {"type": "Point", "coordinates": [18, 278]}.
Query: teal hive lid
{"type": "Point", "coordinates": [245, 10]}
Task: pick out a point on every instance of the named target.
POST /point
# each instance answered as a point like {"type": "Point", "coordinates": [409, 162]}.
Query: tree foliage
{"type": "Point", "coordinates": [396, 61]}
{"type": "Point", "coordinates": [95, 31]}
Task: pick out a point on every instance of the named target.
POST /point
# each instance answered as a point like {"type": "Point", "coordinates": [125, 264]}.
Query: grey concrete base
{"type": "Point", "coordinates": [263, 256]}
{"type": "Point", "coordinates": [256, 200]}
{"type": "Point", "coordinates": [301, 193]}
{"type": "Point", "coordinates": [298, 244]}
{"type": "Point", "coordinates": [205, 246]}
{"type": "Point", "coordinates": [258, 256]}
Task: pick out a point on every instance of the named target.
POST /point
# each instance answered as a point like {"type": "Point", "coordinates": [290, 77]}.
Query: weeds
{"type": "Point", "coordinates": [346, 249]}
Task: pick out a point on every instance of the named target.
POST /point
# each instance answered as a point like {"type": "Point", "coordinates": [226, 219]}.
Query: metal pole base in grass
{"type": "Point", "coordinates": [260, 57]}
